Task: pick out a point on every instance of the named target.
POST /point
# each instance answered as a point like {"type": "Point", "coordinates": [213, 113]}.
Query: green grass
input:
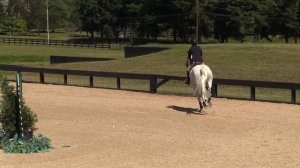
{"type": "Point", "coordinates": [267, 62]}
{"type": "Point", "coordinates": [7, 59]}
{"type": "Point", "coordinates": [42, 53]}
{"type": "Point", "coordinates": [263, 62]}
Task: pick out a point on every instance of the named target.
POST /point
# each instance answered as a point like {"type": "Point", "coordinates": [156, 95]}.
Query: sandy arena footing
{"type": "Point", "coordinates": [93, 128]}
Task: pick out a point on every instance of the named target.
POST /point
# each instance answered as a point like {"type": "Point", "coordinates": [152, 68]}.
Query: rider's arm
{"type": "Point", "coordinates": [190, 54]}
{"type": "Point", "coordinates": [188, 59]}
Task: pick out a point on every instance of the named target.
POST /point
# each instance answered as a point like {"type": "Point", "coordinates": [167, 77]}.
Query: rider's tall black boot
{"type": "Point", "coordinates": [187, 78]}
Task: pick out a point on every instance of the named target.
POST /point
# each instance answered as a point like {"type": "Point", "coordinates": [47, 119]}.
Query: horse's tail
{"type": "Point", "coordinates": [200, 84]}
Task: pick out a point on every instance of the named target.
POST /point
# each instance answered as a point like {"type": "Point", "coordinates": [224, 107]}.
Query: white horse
{"type": "Point", "coordinates": [201, 80]}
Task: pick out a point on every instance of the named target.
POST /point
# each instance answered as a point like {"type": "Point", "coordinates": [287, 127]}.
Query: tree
{"type": "Point", "coordinates": [221, 20]}
{"type": "Point", "coordinates": [12, 24]}
{"type": "Point", "coordinates": [59, 14]}
{"type": "Point", "coordinates": [130, 16]}
{"type": "Point", "coordinates": [35, 14]}
{"type": "Point", "coordinates": [94, 14]}
{"type": "Point", "coordinates": [2, 18]}
{"type": "Point", "coordinates": [15, 8]}
{"type": "Point", "coordinates": [286, 20]}
{"type": "Point", "coordinates": [116, 13]}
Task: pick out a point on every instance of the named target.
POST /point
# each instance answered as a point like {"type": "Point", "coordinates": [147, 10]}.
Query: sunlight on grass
{"type": "Point", "coordinates": [46, 51]}
{"type": "Point", "coordinates": [261, 62]}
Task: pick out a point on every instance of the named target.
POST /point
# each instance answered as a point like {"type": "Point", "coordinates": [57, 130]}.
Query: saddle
{"type": "Point", "coordinates": [192, 65]}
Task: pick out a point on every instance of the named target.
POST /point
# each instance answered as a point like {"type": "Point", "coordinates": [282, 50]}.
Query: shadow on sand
{"type": "Point", "coordinates": [187, 110]}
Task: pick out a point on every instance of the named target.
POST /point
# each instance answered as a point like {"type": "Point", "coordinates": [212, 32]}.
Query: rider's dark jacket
{"type": "Point", "coordinates": [195, 55]}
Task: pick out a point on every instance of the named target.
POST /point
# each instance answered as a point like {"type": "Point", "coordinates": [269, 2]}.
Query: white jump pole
{"type": "Point", "coordinates": [19, 117]}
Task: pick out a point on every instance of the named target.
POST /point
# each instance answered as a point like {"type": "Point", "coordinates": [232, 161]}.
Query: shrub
{"type": "Point", "coordinates": [36, 144]}
{"type": "Point", "coordinates": [9, 140]}
{"type": "Point", "coordinates": [9, 109]}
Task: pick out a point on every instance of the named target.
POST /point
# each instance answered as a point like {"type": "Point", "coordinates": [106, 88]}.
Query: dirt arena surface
{"type": "Point", "coordinates": [94, 128]}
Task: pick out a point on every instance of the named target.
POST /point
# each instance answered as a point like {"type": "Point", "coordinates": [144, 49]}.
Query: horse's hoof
{"type": "Point", "coordinates": [210, 105]}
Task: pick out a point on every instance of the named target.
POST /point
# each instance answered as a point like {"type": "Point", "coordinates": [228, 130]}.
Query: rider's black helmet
{"type": "Point", "coordinates": [194, 41]}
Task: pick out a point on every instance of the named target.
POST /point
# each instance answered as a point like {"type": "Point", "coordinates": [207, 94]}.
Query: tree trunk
{"type": "Point", "coordinates": [38, 29]}
{"type": "Point", "coordinates": [286, 38]}
{"type": "Point", "coordinates": [174, 35]}
{"type": "Point", "coordinates": [92, 34]}
{"type": "Point", "coordinates": [255, 38]}
{"type": "Point", "coordinates": [102, 33]}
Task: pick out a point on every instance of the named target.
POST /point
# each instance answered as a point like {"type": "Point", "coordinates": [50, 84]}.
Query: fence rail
{"type": "Point", "coordinates": [155, 81]}
{"type": "Point", "coordinates": [64, 43]}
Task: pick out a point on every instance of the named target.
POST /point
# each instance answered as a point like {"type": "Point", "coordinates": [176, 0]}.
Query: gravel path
{"type": "Point", "coordinates": [93, 128]}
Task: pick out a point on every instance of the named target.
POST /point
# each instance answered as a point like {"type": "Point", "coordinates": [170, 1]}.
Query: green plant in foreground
{"type": "Point", "coordinates": [36, 144]}
{"type": "Point", "coordinates": [9, 109]}
{"type": "Point", "coordinates": [9, 140]}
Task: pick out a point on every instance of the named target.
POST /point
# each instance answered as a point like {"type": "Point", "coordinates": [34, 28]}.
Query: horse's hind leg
{"type": "Point", "coordinates": [200, 104]}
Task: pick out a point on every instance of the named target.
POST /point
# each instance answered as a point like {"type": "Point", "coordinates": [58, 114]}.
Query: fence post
{"type": "Point", "coordinates": [252, 92]}
{"type": "Point", "coordinates": [65, 79]}
{"type": "Point", "coordinates": [42, 78]}
{"type": "Point", "coordinates": [293, 98]}
{"type": "Point", "coordinates": [91, 81]}
{"type": "Point", "coordinates": [153, 84]}
{"type": "Point", "coordinates": [215, 90]}
{"type": "Point", "coordinates": [118, 83]}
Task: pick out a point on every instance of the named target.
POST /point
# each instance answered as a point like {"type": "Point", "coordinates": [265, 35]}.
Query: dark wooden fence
{"type": "Point", "coordinates": [139, 51]}
{"type": "Point", "coordinates": [64, 43]}
{"type": "Point", "coordinates": [55, 59]}
{"type": "Point", "coordinates": [155, 81]}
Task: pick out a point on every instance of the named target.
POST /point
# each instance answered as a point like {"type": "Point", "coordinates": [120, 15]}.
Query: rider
{"type": "Point", "coordinates": [194, 58]}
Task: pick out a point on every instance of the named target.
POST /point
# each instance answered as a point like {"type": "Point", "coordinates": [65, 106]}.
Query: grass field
{"type": "Point", "coordinates": [264, 62]}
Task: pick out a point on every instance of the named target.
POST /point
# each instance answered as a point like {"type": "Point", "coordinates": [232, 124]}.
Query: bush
{"type": "Point", "coordinates": [36, 144]}
{"type": "Point", "coordinates": [9, 109]}
{"type": "Point", "coordinates": [12, 24]}
{"type": "Point", "coordinates": [9, 140]}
